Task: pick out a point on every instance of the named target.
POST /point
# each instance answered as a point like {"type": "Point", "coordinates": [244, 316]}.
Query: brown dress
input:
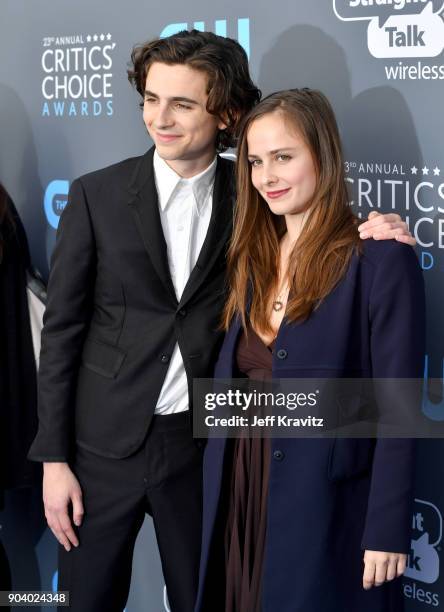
{"type": "Point", "coordinates": [247, 500]}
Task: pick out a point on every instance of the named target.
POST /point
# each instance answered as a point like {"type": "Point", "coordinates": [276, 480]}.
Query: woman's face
{"type": "Point", "coordinates": [282, 167]}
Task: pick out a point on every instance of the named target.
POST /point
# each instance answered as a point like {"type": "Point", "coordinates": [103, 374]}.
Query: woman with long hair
{"type": "Point", "coordinates": [309, 525]}
{"type": "Point", "coordinates": [18, 386]}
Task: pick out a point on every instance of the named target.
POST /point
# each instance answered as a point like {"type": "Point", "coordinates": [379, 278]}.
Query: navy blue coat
{"type": "Point", "coordinates": [330, 499]}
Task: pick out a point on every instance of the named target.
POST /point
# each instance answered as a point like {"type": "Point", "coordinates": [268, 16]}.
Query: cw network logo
{"type": "Point", "coordinates": [423, 563]}
{"type": "Point", "coordinates": [55, 199]}
{"type": "Point", "coordinates": [220, 28]}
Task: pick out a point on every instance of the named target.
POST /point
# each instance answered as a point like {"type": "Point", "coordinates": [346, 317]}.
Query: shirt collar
{"type": "Point", "coordinates": [168, 183]}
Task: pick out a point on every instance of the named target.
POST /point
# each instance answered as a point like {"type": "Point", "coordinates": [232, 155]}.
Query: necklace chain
{"type": "Point", "coordinates": [278, 303]}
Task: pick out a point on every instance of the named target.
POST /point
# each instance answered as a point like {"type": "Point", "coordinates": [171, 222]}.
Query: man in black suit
{"type": "Point", "coordinates": [135, 294]}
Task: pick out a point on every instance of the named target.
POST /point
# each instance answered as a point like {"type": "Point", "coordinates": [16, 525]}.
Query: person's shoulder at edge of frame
{"type": "Point", "coordinates": [117, 174]}
{"type": "Point", "coordinates": [377, 251]}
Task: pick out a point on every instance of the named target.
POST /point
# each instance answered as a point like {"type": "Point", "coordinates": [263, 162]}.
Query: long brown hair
{"type": "Point", "coordinates": [329, 237]}
{"type": "Point", "coordinates": [231, 92]}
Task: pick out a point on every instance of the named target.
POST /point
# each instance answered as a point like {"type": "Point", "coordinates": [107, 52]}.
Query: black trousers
{"type": "Point", "coordinates": [163, 479]}
{"type": "Point", "coordinates": [5, 575]}
{"type": "Point", "coordinates": [5, 572]}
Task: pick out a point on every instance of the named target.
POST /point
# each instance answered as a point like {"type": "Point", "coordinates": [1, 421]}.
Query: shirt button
{"type": "Point", "coordinates": [282, 354]}
{"type": "Point", "coordinates": [165, 358]}
{"type": "Point", "coordinates": [278, 455]}
{"type": "Point", "coordinates": [183, 312]}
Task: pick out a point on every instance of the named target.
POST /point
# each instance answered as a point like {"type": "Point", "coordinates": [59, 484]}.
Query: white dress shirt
{"type": "Point", "coordinates": [185, 207]}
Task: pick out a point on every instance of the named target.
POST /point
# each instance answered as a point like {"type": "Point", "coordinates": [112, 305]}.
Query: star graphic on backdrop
{"type": "Point", "coordinates": [95, 37]}
{"type": "Point", "coordinates": [108, 36]}
{"type": "Point", "coordinates": [88, 38]}
{"type": "Point", "coordinates": [414, 170]}
{"type": "Point", "coordinates": [436, 171]}
{"type": "Point", "coordinates": [425, 170]}
{"type": "Point", "coordinates": [102, 36]}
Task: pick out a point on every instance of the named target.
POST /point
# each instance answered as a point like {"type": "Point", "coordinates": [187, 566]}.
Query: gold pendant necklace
{"type": "Point", "coordinates": [278, 304]}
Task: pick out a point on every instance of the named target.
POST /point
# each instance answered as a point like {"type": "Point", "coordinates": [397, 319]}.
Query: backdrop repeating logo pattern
{"type": "Point", "coordinates": [401, 41]}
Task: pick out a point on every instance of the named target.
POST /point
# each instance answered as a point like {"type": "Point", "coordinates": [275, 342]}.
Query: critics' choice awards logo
{"type": "Point", "coordinates": [414, 192]}
{"type": "Point", "coordinates": [77, 75]}
{"type": "Point", "coordinates": [400, 29]}
{"type": "Point", "coordinates": [423, 561]}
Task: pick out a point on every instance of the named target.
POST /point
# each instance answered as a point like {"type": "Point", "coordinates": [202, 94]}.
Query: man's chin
{"type": "Point", "coordinates": [168, 153]}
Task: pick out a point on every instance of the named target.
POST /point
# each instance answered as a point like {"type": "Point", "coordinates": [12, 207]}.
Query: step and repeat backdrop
{"type": "Point", "coordinates": [66, 108]}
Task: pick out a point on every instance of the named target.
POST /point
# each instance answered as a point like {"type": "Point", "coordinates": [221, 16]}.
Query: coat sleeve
{"type": "Point", "coordinates": [66, 321]}
{"type": "Point", "coordinates": [397, 319]}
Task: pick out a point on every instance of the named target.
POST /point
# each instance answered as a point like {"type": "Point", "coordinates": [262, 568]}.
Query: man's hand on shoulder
{"type": "Point", "coordinates": [60, 489]}
{"type": "Point", "coordinates": [386, 227]}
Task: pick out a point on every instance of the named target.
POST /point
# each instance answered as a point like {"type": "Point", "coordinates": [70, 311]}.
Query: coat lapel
{"type": "Point", "coordinates": [219, 229]}
{"type": "Point", "coordinates": [145, 208]}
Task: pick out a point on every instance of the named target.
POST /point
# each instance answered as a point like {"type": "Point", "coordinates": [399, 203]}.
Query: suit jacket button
{"type": "Point", "coordinates": [278, 455]}
{"type": "Point", "coordinates": [182, 312]}
{"type": "Point", "coordinates": [281, 354]}
{"type": "Point", "coordinates": [165, 358]}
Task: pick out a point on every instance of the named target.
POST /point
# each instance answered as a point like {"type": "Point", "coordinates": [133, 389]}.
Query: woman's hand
{"type": "Point", "coordinates": [382, 566]}
{"type": "Point", "coordinates": [386, 227]}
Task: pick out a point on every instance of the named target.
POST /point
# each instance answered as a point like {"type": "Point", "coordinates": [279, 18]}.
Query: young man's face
{"type": "Point", "coordinates": [175, 115]}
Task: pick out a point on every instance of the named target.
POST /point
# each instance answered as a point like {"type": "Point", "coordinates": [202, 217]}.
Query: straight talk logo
{"type": "Point", "coordinates": [423, 560]}
{"type": "Point", "coordinates": [413, 72]}
{"type": "Point", "coordinates": [400, 29]}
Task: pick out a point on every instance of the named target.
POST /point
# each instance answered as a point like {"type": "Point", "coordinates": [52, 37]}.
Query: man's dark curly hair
{"type": "Point", "coordinates": [231, 92]}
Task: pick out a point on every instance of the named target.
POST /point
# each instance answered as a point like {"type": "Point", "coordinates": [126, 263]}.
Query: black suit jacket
{"type": "Point", "coordinates": [113, 319]}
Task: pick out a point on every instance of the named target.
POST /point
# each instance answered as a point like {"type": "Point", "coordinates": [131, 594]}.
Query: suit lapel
{"type": "Point", "coordinates": [219, 229]}
{"type": "Point", "coordinates": [145, 208]}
